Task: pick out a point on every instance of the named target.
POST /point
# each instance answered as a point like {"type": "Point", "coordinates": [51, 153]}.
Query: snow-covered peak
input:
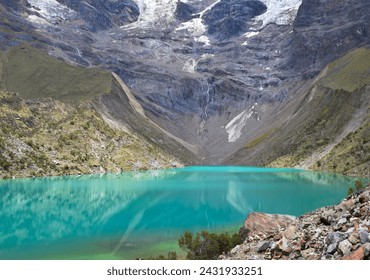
{"type": "Point", "coordinates": [281, 12]}
{"type": "Point", "coordinates": [50, 10]}
{"type": "Point", "coordinates": [153, 12]}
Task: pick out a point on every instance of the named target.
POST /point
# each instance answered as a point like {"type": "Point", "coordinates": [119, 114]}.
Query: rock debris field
{"type": "Point", "coordinates": [340, 232]}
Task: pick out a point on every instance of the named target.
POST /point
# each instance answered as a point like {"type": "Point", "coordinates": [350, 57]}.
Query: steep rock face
{"type": "Point", "coordinates": [325, 30]}
{"type": "Point", "coordinates": [231, 18]}
{"type": "Point", "coordinates": [213, 73]}
{"type": "Point", "coordinates": [103, 14]}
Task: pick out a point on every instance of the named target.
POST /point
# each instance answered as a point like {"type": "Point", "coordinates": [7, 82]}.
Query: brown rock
{"type": "Point", "coordinates": [359, 254]}
{"type": "Point", "coordinates": [306, 254]}
{"type": "Point", "coordinates": [353, 238]}
{"type": "Point", "coordinates": [260, 224]}
{"type": "Point", "coordinates": [314, 257]}
{"type": "Point", "coordinates": [290, 232]}
{"type": "Point", "coordinates": [277, 255]}
{"type": "Point", "coordinates": [285, 246]}
{"type": "Point", "coordinates": [346, 205]}
{"type": "Point", "coordinates": [363, 198]}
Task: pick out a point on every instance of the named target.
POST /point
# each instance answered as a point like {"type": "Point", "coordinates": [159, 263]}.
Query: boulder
{"type": "Point", "coordinates": [290, 232]}
{"type": "Point", "coordinates": [345, 247]}
{"type": "Point", "coordinates": [332, 248]}
{"type": "Point", "coordinates": [364, 236]}
{"type": "Point", "coordinates": [359, 254]}
{"type": "Point", "coordinates": [354, 238]}
{"type": "Point", "coordinates": [306, 254]}
{"type": "Point", "coordinates": [364, 197]}
{"type": "Point", "coordinates": [327, 217]}
{"type": "Point", "coordinates": [263, 246]}
{"type": "Point", "coordinates": [342, 221]}
{"type": "Point", "coordinates": [285, 246]}
{"type": "Point", "coordinates": [262, 225]}
{"type": "Point", "coordinates": [335, 237]}
{"type": "Point", "coordinates": [346, 205]}
{"type": "Point", "coordinates": [367, 249]}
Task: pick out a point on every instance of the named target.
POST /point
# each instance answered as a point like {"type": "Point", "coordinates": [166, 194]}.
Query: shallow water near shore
{"type": "Point", "coordinates": [142, 214]}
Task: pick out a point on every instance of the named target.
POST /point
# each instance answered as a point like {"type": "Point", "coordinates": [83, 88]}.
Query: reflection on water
{"type": "Point", "coordinates": [122, 214]}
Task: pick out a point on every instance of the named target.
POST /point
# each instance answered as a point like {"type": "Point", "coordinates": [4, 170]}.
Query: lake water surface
{"type": "Point", "coordinates": [143, 213]}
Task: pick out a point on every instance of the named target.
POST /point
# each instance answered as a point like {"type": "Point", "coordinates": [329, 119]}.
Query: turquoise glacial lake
{"type": "Point", "coordinates": [142, 214]}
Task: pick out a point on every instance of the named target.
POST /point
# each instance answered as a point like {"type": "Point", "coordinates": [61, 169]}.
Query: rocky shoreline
{"type": "Point", "coordinates": [329, 233]}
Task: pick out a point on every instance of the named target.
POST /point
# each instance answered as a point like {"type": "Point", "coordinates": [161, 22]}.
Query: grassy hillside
{"type": "Point", "coordinates": [352, 155]}
{"type": "Point", "coordinates": [325, 127]}
{"type": "Point", "coordinates": [49, 137]}
{"type": "Point", "coordinates": [33, 74]}
{"type": "Point", "coordinates": [51, 122]}
{"type": "Point", "coordinates": [349, 72]}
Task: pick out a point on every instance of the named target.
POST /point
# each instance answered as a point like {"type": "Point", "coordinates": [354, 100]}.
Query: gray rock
{"type": "Point", "coordinates": [317, 233]}
{"type": "Point", "coordinates": [346, 215]}
{"type": "Point", "coordinates": [364, 236]}
{"type": "Point", "coordinates": [350, 230]}
{"type": "Point", "coordinates": [335, 237]}
{"type": "Point", "coordinates": [367, 249]}
{"type": "Point", "coordinates": [342, 221]}
{"type": "Point", "coordinates": [235, 249]}
{"type": "Point", "coordinates": [263, 246]}
{"type": "Point", "coordinates": [332, 248]}
{"type": "Point", "coordinates": [345, 247]}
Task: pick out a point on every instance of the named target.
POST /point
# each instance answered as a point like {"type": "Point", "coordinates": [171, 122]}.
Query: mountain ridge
{"type": "Point", "coordinates": [216, 81]}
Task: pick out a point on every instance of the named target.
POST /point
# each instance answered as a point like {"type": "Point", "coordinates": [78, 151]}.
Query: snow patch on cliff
{"type": "Point", "coordinates": [281, 12]}
{"type": "Point", "coordinates": [190, 65]}
{"type": "Point", "coordinates": [50, 10]}
{"type": "Point", "coordinates": [196, 26]}
{"type": "Point", "coordinates": [37, 20]}
{"type": "Point", "coordinates": [235, 126]}
{"type": "Point", "coordinates": [154, 12]}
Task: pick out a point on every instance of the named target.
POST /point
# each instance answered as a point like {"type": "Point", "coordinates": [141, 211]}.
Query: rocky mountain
{"type": "Point", "coordinates": [226, 79]}
{"type": "Point", "coordinates": [334, 232]}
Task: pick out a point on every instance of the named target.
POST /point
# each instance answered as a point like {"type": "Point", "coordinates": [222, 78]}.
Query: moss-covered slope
{"type": "Point", "coordinates": [52, 122]}
{"type": "Point", "coordinates": [48, 137]}
{"type": "Point", "coordinates": [33, 74]}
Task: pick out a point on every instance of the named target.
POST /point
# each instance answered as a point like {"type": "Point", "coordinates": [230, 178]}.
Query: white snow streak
{"type": "Point", "coordinates": [251, 34]}
{"type": "Point", "coordinates": [235, 126]}
{"type": "Point", "coordinates": [37, 20]}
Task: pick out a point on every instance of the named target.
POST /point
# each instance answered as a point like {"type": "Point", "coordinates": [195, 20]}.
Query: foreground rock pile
{"type": "Point", "coordinates": [329, 233]}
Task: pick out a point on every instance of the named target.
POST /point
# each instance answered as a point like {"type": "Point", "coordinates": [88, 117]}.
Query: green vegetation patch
{"type": "Point", "coordinates": [349, 72]}
{"type": "Point", "coordinates": [352, 155]}
{"type": "Point", "coordinates": [206, 245]}
{"type": "Point", "coordinates": [34, 74]}
{"type": "Point", "coordinates": [50, 137]}
{"type": "Point", "coordinates": [259, 139]}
